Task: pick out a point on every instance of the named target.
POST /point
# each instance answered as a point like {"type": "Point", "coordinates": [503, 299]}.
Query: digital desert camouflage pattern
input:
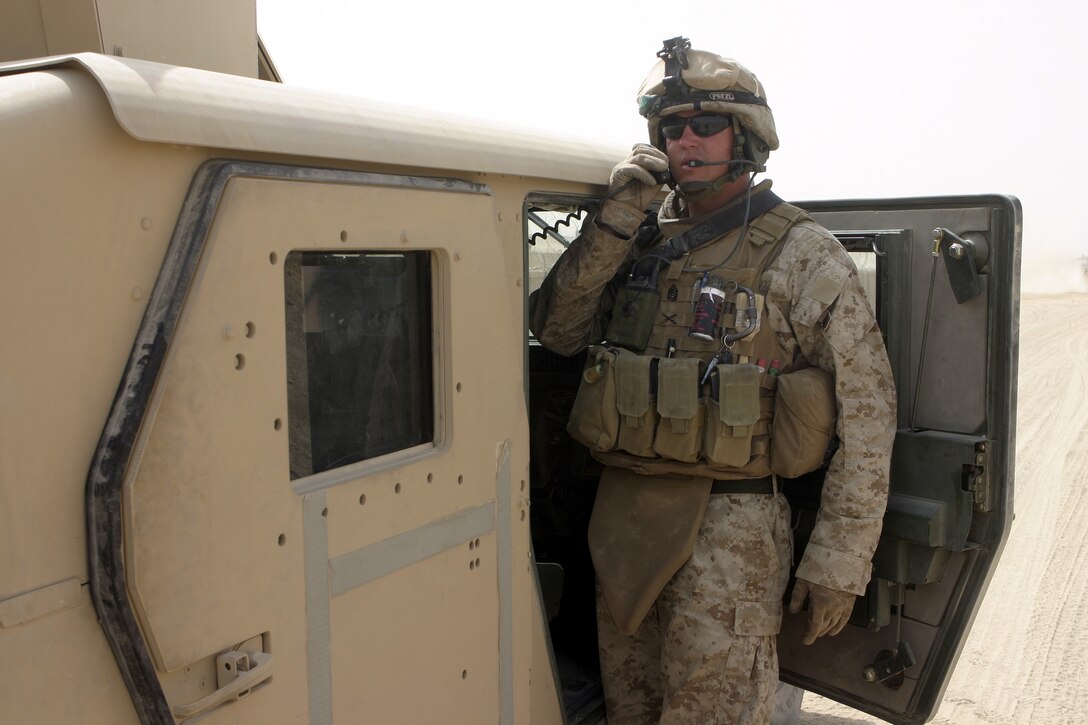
{"type": "Point", "coordinates": [816, 304]}
{"type": "Point", "coordinates": [712, 628]}
{"type": "Point", "coordinates": [817, 308]}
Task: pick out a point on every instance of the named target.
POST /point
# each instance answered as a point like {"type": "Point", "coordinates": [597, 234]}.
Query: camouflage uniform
{"type": "Point", "coordinates": [705, 653]}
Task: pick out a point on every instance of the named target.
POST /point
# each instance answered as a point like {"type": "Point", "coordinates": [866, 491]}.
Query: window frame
{"type": "Point", "coordinates": [300, 404]}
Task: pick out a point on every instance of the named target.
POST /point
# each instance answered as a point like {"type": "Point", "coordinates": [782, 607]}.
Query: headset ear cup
{"type": "Point", "coordinates": [740, 141]}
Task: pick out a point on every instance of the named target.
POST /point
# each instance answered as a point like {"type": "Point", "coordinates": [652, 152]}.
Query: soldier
{"type": "Point", "coordinates": [724, 320]}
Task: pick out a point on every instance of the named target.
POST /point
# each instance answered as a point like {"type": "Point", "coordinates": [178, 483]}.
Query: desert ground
{"type": "Point", "coordinates": [1023, 663]}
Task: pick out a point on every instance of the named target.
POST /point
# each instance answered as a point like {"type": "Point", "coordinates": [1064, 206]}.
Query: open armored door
{"type": "Point", "coordinates": [943, 276]}
{"type": "Point", "coordinates": [283, 525]}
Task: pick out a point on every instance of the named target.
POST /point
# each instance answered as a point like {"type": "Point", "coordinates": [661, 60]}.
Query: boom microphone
{"type": "Point", "coordinates": [696, 163]}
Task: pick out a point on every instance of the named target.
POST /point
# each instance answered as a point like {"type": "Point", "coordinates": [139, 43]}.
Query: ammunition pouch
{"type": "Point", "coordinates": [680, 405]}
{"type": "Point", "coordinates": [636, 403]}
{"type": "Point", "coordinates": [733, 410]}
{"type": "Point", "coordinates": [655, 409]}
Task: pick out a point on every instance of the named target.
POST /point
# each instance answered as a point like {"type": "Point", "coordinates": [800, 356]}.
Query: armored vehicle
{"type": "Point", "coordinates": [275, 443]}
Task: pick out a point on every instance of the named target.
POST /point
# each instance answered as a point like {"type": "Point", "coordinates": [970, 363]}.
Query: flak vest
{"type": "Point", "coordinates": [662, 412]}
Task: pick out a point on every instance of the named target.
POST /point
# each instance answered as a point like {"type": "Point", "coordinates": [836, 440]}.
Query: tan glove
{"type": "Point", "coordinates": [829, 609]}
{"type": "Point", "coordinates": [631, 188]}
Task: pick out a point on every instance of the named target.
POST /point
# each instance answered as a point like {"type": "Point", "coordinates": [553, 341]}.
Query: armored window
{"type": "Point", "coordinates": [359, 362]}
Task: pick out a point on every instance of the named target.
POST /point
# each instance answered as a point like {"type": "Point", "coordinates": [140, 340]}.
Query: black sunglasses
{"type": "Point", "coordinates": [707, 124]}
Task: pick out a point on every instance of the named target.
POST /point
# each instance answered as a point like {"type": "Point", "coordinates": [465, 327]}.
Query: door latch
{"type": "Point", "coordinates": [237, 673]}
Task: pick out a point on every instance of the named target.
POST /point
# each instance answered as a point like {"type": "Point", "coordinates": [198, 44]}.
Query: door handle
{"type": "Point", "coordinates": [259, 669]}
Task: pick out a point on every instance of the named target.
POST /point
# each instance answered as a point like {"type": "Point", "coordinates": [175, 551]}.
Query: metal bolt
{"type": "Point", "coordinates": [938, 234]}
{"type": "Point", "coordinates": [956, 251]}
{"type": "Point", "coordinates": [870, 674]}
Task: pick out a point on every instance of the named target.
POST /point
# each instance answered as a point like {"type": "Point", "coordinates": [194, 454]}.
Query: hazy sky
{"type": "Point", "coordinates": [871, 99]}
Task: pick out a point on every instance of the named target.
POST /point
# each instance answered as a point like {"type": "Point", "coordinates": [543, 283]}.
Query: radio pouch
{"type": "Point", "coordinates": [633, 316]}
{"type": "Point", "coordinates": [634, 311]}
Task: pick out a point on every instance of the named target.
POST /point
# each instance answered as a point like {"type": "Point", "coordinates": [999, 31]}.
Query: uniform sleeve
{"type": "Point", "coordinates": [836, 331]}
{"type": "Point", "coordinates": [567, 313]}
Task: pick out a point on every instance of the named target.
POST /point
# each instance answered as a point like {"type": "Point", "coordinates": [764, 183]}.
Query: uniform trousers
{"type": "Point", "coordinates": [705, 653]}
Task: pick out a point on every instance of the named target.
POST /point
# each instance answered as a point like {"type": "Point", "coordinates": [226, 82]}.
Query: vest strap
{"type": "Point", "coordinates": [719, 224]}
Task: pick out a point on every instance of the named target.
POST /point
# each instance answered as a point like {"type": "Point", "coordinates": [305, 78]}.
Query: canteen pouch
{"type": "Point", "coordinates": [804, 421]}
{"type": "Point", "coordinates": [679, 432]}
{"type": "Point", "coordinates": [594, 419]}
{"type": "Point", "coordinates": [732, 412]}
{"type": "Point", "coordinates": [633, 315]}
{"type": "Point", "coordinates": [635, 401]}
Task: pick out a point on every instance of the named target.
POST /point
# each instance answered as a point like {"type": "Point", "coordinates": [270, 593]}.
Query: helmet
{"type": "Point", "coordinates": [697, 80]}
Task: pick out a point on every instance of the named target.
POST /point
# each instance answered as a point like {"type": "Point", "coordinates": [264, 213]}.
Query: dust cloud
{"type": "Point", "coordinates": [1054, 275]}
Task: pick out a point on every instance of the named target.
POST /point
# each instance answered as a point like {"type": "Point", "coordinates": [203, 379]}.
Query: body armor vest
{"type": "Point", "coordinates": [672, 415]}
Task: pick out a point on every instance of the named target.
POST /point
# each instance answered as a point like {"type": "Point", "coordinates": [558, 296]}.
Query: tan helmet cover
{"type": "Point", "coordinates": [713, 83]}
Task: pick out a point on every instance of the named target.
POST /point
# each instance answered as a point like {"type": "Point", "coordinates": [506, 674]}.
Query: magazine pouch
{"type": "Point", "coordinates": [636, 403]}
{"type": "Point", "coordinates": [732, 412]}
{"type": "Point", "coordinates": [679, 432]}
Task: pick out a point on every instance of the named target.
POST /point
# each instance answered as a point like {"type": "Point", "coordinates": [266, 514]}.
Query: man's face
{"type": "Point", "coordinates": [692, 147]}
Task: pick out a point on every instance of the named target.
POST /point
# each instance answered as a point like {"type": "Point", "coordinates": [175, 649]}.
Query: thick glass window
{"type": "Point", "coordinates": [359, 362]}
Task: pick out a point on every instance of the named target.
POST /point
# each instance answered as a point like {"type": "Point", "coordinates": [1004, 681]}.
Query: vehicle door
{"type": "Point", "coordinates": [303, 506]}
{"type": "Point", "coordinates": [943, 277]}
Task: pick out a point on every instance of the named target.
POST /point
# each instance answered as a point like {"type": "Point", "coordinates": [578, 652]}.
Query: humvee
{"type": "Point", "coordinates": [276, 445]}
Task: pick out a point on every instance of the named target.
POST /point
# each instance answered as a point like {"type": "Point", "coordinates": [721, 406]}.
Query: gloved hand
{"type": "Point", "coordinates": [829, 609]}
{"type": "Point", "coordinates": [631, 188]}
